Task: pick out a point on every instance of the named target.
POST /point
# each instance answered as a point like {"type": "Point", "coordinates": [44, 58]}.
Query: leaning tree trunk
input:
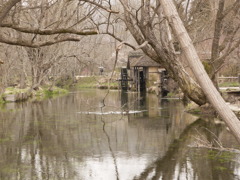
{"type": "Point", "coordinates": [205, 82]}
{"type": "Point", "coordinates": [167, 59]}
{"type": "Point", "coordinates": [6, 7]}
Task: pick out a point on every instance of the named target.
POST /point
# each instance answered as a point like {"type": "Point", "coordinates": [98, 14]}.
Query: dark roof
{"type": "Point", "coordinates": [142, 61]}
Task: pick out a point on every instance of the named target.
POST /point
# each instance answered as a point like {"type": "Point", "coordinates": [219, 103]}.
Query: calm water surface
{"type": "Point", "coordinates": [123, 137]}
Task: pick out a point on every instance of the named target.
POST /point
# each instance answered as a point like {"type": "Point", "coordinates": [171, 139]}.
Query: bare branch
{"type": "Point", "coordinates": [223, 57]}
{"type": "Point", "coordinates": [229, 39]}
{"type": "Point", "coordinates": [36, 45]}
{"type": "Point", "coordinates": [81, 62]}
{"type": "Point", "coordinates": [50, 31]}
{"type": "Point", "coordinates": [118, 39]}
{"type": "Point", "coordinates": [142, 45]}
{"type": "Point", "coordinates": [101, 6]}
{"type": "Point", "coordinates": [236, 5]}
{"type": "Point", "coordinates": [119, 47]}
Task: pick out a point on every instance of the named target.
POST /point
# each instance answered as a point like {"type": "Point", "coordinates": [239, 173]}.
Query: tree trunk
{"type": "Point", "coordinates": [2, 85]}
{"type": "Point", "coordinates": [4, 10]}
{"type": "Point", "coordinates": [215, 43]}
{"type": "Point", "coordinates": [205, 82]}
{"type": "Point", "coordinates": [22, 76]}
{"type": "Point", "coordinates": [22, 80]}
{"type": "Point", "coordinates": [166, 58]}
{"type": "Point", "coordinates": [35, 77]}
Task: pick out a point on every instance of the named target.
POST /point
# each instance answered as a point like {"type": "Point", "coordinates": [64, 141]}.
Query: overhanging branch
{"type": "Point", "coordinates": [36, 45]}
{"type": "Point", "coordinates": [50, 31]}
{"type": "Point", "coordinates": [100, 6]}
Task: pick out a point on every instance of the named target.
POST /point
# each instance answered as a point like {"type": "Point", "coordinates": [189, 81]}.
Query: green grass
{"type": "Point", "coordinates": [55, 91]}
{"type": "Point", "coordinates": [112, 85]}
{"type": "Point", "coordinates": [170, 94]}
{"type": "Point", "coordinates": [1, 100]}
{"type": "Point", "coordinates": [94, 82]}
{"type": "Point", "coordinates": [40, 94]}
{"type": "Point", "coordinates": [87, 82]}
{"type": "Point", "coordinates": [229, 84]}
{"type": "Point", "coordinates": [7, 139]}
{"type": "Point", "coordinates": [65, 84]}
{"type": "Point", "coordinates": [13, 90]}
{"type": "Point", "coordinates": [195, 111]}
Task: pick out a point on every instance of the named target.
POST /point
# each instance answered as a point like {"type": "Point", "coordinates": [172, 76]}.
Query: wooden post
{"type": "Point", "coordinates": [124, 79]}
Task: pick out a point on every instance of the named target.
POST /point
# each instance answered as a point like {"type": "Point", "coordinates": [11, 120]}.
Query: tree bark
{"type": "Point", "coordinates": [6, 8]}
{"type": "Point", "coordinates": [205, 82]}
{"type": "Point", "coordinates": [216, 40]}
{"type": "Point", "coordinates": [166, 58]}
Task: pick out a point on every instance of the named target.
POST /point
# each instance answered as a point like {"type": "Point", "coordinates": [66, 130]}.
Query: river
{"type": "Point", "coordinates": [100, 135]}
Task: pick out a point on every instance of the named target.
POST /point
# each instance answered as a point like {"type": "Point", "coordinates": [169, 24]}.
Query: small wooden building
{"type": "Point", "coordinates": [144, 72]}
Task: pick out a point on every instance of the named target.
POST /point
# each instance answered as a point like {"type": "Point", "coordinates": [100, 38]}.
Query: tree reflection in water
{"type": "Point", "coordinates": [50, 140]}
{"type": "Point", "coordinates": [181, 162]}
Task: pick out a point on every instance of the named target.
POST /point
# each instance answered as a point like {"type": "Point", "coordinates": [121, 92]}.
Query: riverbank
{"type": "Point", "coordinates": [232, 100]}
{"type": "Point", "coordinates": [161, 136]}
{"type": "Point", "coordinates": [100, 82]}
{"type": "Point", "coordinates": [13, 94]}
{"type": "Point", "coordinates": [103, 82]}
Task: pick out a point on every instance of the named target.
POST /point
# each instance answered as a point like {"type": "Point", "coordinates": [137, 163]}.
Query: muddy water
{"type": "Point", "coordinates": [87, 135]}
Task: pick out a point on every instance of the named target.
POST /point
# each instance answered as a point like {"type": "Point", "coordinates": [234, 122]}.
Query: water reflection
{"type": "Point", "coordinates": [124, 100]}
{"type": "Point", "coordinates": [50, 140]}
{"type": "Point", "coordinates": [180, 162]}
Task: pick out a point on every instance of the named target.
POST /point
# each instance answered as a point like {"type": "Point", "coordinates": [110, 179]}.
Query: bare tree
{"type": "Point", "coordinates": [214, 28]}
{"type": "Point", "coordinates": [43, 23]}
{"type": "Point", "coordinates": [146, 23]}
{"type": "Point", "coordinates": [56, 21]}
{"type": "Point", "coordinates": [35, 24]}
{"type": "Point", "coordinates": [206, 84]}
{"type": "Point", "coordinates": [227, 27]}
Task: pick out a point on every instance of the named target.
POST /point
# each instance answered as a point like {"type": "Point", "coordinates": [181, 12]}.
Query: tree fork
{"type": "Point", "coordinates": [202, 77]}
{"type": "Point", "coordinates": [174, 67]}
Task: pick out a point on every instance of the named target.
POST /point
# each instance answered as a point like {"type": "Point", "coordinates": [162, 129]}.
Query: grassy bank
{"type": "Point", "coordinates": [229, 84]}
{"type": "Point", "coordinates": [41, 93]}
{"type": "Point", "coordinates": [96, 82]}
{"type": "Point", "coordinates": [87, 82]}
{"type": "Point", "coordinates": [14, 90]}
{"type": "Point", "coordinates": [46, 92]}
{"type": "Point", "coordinates": [1, 100]}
